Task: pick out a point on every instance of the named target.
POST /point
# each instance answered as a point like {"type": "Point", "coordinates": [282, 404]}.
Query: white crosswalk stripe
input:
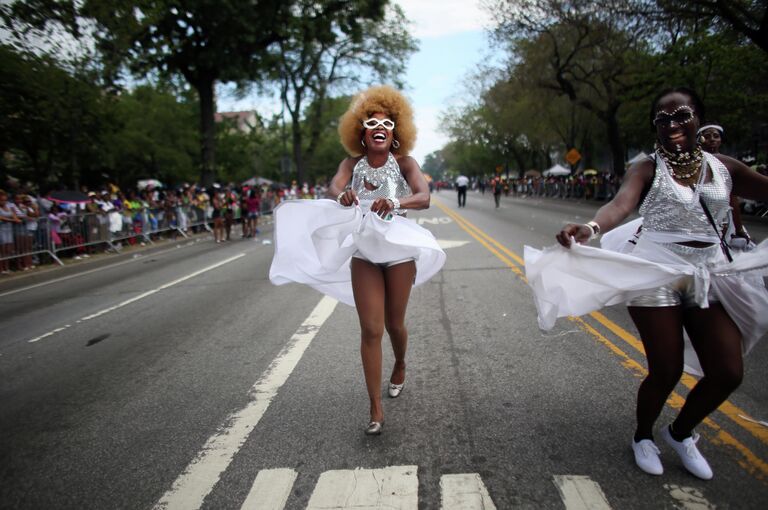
{"type": "Point", "coordinates": [580, 493]}
{"type": "Point", "coordinates": [395, 487]}
{"type": "Point", "coordinates": [270, 490]}
{"type": "Point", "coordinates": [464, 492]}
{"type": "Point", "coordinates": [688, 498]}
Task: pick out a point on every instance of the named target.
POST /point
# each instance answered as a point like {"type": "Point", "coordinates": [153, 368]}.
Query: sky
{"type": "Point", "coordinates": [452, 43]}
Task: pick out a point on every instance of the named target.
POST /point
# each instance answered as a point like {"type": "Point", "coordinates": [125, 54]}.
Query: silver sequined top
{"type": "Point", "coordinates": [387, 180]}
{"type": "Point", "coordinates": [672, 208]}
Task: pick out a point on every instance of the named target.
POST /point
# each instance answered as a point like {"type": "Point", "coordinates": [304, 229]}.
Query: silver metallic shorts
{"type": "Point", "coordinates": [383, 264]}
{"type": "Point", "coordinates": [681, 292]}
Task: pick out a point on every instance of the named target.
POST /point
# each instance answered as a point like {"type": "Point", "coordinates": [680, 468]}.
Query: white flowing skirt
{"type": "Point", "coordinates": [583, 279]}
{"type": "Point", "coordinates": [315, 241]}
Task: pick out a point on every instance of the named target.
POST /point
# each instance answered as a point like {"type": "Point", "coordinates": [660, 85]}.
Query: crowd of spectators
{"type": "Point", "coordinates": [37, 228]}
{"type": "Point", "coordinates": [591, 186]}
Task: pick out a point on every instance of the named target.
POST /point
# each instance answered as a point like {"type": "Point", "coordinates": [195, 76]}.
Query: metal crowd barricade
{"type": "Point", "coordinates": [31, 240]}
{"type": "Point", "coordinates": [55, 235]}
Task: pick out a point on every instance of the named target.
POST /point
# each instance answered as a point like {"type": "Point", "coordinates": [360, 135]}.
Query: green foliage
{"type": "Point", "coordinates": [53, 124]}
{"type": "Point", "coordinates": [328, 151]}
{"type": "Point", "coordinates": [213, 41]}
{"type": "Point", "coordinates": [155, 136]}
{"type": "Point", "coordinates": [582, 74]}
{"type": "Point", "coordinates": [364, 42]}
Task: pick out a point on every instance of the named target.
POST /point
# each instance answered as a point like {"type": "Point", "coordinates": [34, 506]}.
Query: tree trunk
{"type": "Point", "coordinates": [520, 162]}
{"type": "Point", "coordinates": [614, 141]}
{"type": "Point", "coordinates": [298, 157]}
{"type": "Point", "coordinates": [207, 131]}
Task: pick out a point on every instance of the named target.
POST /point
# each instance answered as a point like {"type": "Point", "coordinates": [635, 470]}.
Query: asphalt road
{"type": "Point", "coordinates": [181, 378]}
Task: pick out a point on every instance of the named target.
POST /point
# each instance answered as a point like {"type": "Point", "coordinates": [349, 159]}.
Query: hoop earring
{"type": "Point", "coordinates": [395, 144]}
{"type": "Point", "coordinates": [362, 142]}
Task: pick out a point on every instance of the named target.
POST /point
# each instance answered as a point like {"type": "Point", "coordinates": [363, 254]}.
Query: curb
{"type": "Point", "coordinates": [73, 267]}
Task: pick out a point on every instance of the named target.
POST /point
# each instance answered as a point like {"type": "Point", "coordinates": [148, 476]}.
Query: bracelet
{"type": "Point", "coordinates": [595, 228]}
{"type": "Point", "coordinates": [338, 198]}
{"type": "Point", "coordinates": [395, 204]}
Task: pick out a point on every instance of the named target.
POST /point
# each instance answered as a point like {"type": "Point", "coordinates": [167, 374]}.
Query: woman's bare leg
{"type": "Point", "coordinates": [661, 330]}
{"type": "Point", "coordinates": [399, 281]}
{"type": "Point", "coordinates": [368, 288]}
{"type": "Point", "coordinates": [717, 342]}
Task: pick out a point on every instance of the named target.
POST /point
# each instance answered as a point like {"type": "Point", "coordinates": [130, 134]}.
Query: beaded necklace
{"type": "Point", "coordinates": [683, 166]}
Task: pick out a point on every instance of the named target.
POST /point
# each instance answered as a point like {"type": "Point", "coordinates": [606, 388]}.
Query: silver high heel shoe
{"type": "Point", "coordinates": [395, 389]}
{"type": "Point", "coordinates": [374, 428]}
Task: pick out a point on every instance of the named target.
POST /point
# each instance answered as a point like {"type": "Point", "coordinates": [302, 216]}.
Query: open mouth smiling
{"type": "Point", "coordinates": [379, 137]}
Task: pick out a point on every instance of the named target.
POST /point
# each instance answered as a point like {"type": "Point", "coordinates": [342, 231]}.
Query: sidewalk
{"type": "Point", "coordinates": [72, 266]}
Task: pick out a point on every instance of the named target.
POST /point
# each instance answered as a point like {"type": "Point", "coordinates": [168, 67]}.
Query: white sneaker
{"type": "Point", "coordinates": [692, 459]}
{"type": "Point", "coordinates": [647, 456]}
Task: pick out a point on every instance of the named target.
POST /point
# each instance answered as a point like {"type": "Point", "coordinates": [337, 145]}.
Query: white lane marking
{"type": "Point", "coordinates": [270, 490]}
{"type": "Point", "coordinates": [141, 296]}
{"type": "Point", "coordinates": [90, 271]}
{"type": "Point", "coordinates": [580, 493]}
{"type": "Point", "coordinates": [464, 492]}
{"type": "Point", "coordinates": [203, 472]}
{"type": "Point", "coordinates": [435, 221]}
{"type": "Point", "coordinates": [391, 487]}
{"type": "Point", "coordinates": [688, 498]}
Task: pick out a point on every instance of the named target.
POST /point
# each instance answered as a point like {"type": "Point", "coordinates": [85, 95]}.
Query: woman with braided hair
{"type": "Point", "coordinates": [360, 248]}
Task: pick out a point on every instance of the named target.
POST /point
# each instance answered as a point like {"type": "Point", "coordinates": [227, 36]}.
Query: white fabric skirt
{"type": "Point", "coordinates": [316, 239]}
{"type": "Point", "coordinates": [583, 279]}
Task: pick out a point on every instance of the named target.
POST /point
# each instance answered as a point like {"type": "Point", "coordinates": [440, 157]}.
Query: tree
{"type": "Point", "coordinates": [589, 54]}
{"type": "Point", "coordinates": [52, 123]}
{"type": "Point", "coordinates": [366, 41]}
{"type": "Point", "coordinates": [746, 17]}
{"type": "Point", "coordinates": [205, 41]}
{"type": "Point", "coordinates": [434, 165]}
{"type": "Point", "coordinates": [327, 151]}
{"type": "Point", "coordinates": [154, 137]}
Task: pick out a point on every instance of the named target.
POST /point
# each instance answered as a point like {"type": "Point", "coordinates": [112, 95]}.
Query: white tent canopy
{"type": "Point", "coordinates": [641, 156]}
{"type": "Point", "coordinates": [557, 170]}
{"type": "Point", "coordinates": [148, 183]}
{"type": "Point", "coordinates": [257, 181]}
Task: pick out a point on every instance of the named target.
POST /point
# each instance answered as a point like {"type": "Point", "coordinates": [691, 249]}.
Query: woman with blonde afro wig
{"type": "Point", "coordinates": [359, 247]}
{"type": "Point", "coordinates": [381, 99]}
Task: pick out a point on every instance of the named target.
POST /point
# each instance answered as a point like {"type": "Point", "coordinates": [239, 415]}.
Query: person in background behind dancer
{"type": "Point", "coordinates": [711, 138]}
{"type": "Point", "coordinates": [497, 187]}
{"type": "Point", "coordinates": [462, 182]}
{"type": "Point", "coordinates": [253, 209]}
{"type": "Point", "coordinates": [8, 219]}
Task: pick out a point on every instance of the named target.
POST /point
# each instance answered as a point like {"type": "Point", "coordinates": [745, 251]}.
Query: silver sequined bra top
{"type": "Point", "coordinates": [673, 209]}
{"type": "Point", "coordinates": [387, 181]}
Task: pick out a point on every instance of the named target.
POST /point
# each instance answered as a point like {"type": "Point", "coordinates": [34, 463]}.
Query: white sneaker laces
{"type": "Point", "coordinates": [690, 446]}
{"type": "Point", "coordinates": [648, 448]}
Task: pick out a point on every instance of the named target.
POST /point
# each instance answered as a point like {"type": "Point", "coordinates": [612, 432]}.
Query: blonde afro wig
{"type": "Point", "coordinates": [380, 99]}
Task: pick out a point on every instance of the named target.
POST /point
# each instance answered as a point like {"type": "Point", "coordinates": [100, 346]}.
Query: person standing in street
{"type": "Point", "coordinates": [498, 187]}
{"type": "Point", "coordinates": [462, 182]}
{"type": "Point", "coordinates": [360, 248]}
{"type": "Point", "coordinates": [679, 277]}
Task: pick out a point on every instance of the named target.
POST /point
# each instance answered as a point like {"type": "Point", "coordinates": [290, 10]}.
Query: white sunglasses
{"type": "Point", "coordinates": [374, 123]}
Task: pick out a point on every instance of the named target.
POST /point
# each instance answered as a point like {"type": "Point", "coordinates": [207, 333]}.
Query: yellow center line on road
{"type": "Point", "coordinates": [749, 461]}
{"type": "Point", "coordinates": [727, 408]}
{"type": "Point", "coordinates": [468, 227]}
